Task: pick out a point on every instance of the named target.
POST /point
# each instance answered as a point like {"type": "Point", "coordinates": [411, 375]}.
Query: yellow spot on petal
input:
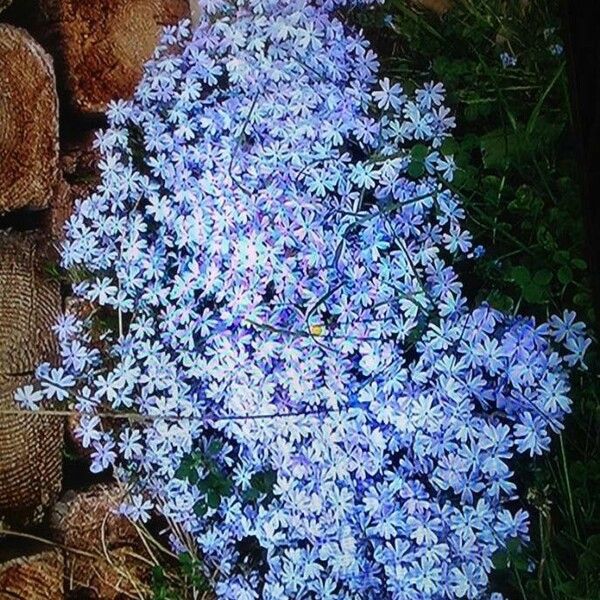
{"type": "Point", "coordinates": [317, 330]}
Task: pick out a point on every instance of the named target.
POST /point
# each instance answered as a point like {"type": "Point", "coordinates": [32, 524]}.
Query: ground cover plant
{"type": "Point", "coordinates": [281, 360]}
{"type": "Point", "coordinates": [504, 66]}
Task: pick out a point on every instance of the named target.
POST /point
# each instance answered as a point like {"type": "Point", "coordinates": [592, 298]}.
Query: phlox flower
{"type": "Point", "coordinates": [308, 394]}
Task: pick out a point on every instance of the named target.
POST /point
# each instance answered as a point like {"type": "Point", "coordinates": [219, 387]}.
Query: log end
{"type": "Point", "coordinates": [30, 445]}
{"type": "Point", "coordinates": [104, 45]}
{"type": "Point", "coordinates": [28, 122]}
{"type": "Point", "coordinates": [37, 576]}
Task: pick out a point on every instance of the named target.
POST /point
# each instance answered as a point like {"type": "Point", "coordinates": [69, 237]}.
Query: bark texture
{"type": "Point", "coordinates": [440, 7]}
{"type": "Point", "coordinates": [87, 522]}
{"type": "Point", "coordinates": [105, 43]}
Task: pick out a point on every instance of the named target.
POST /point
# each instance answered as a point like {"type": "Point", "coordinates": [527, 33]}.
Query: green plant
{"type": "Point", "coordinates": [519, 182]}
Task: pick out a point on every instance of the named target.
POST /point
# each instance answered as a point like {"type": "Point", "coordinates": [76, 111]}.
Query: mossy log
{"type": "Point", "coordinates": [102, 547]}
{"type": "Point", "coordinates": [30, 445]}
{"type": "Point", "coordinates": [28, 122]}
{"type": "Point", "coordinates": [37, 576]}
{"type": "Point", "coordinates": [104, 44]}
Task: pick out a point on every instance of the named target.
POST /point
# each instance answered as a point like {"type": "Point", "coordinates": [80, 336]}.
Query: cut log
{"type": "Point", "coordinates": [195, 11]}
{"type": "Point", "coordinates": [79, 163]}
{"type": "Point", "coordinates": [28, 122]}
{"type": "Point", "coordinates": [88, 523]}
{"type": "Point", "coordinates": [440, 7]}
{"type": "Point", "coordinates": [80, 176]}
{"type": "Point", "coordinates": [30, 445]}
{"type": "Point", "coordinates": [38, 576]}
{"type": "Point", "coordinates": [121, 575]}
{"type": "Point", "coordinates": [54, 218]}
{"type": "Point", "coordinates": [104, 44]}
{"type": "Point", "coordinates": [29, 303]}
{"type": "Point", "coordinates": [88, 519]}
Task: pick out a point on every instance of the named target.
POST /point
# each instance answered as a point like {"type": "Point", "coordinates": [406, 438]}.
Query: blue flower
{"type": "Point", "coordinates": [103, 455]}
{"type": "Point", "coordinates": [56, 384]}
{"type": "Point", "coordinates": [276, 306]}
{"type": "Point", "coordinates": [508, 60]}
{"type": "Point", "coordinates": [28, 397]}
{"type": "Point", "coordinates": [390, 95]}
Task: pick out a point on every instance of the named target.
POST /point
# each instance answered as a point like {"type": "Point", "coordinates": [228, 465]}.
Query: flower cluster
{"type": "Point", "coordinates": [296, 381]}
{"type": "Point", "coordinates": [508, 60]}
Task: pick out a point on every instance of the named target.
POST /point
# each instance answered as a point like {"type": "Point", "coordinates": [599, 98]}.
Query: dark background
{"type": "Point", "coordinates": [581, 20]}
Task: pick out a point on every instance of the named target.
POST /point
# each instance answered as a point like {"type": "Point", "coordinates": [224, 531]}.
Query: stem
{"type": "Point", "coordinates": [140, 417]}
{"type": "Point", "coordinates": [568, 485]}
{"type": "Point", "coordinates": [521, 588]}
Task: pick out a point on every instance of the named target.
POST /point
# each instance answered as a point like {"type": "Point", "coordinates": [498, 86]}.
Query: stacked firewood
{"type": "Point", "coordinates": [60, 65]}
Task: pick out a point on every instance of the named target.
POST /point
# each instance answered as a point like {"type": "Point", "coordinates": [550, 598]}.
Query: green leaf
{"type": "Point", "coordinates": [419, 152]}
{"type": "Point", "coordinates": [213, 499]}
{"type": "Point", "coordinates": [449, 147]}
{"type": "Point", "coordinates": [200, 508]}
{"type": "Point", "coordinates": [565, 274]}
{"type": "Point", "coordinates": [500, 559]}
{"type": "Point", "coordinates": [158, 573]}
{"type": "Point", "coordinates": [416, 169]}
{"type": "Point", "coordinates": [501, 301]}
{"type": "Point", "coordinates": [545, 239]}
{"type": "Point", "coordinates": [520, 275]}
{"type": "Point", "coordinates": [582, 299]}
{"type": "Point", "coordinates": [543, 277]}
{"type": "Point", "coordinates": [579, 264]}
{"type": "Point", "coordinates": [264, 482]}
{"type": "Point", "coordinates": [535, 294]}
{"type": "Point", "coordinates": [497, 147]}
{"type": "Point", "coordinates": [251, 495]}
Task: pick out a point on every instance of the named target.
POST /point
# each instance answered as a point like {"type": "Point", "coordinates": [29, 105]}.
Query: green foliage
{"type": "Point", "coordinates": [514, 147]}
{"type": "Point", "coordinates": [202, 469]}
{"type": "Point", "coordinates": [179, 581]}
{"type": "Point", "coordinates": [519, 182]}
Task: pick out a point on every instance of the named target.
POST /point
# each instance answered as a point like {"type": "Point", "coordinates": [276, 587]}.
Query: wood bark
{"type": "Point", "coordinates": [38, 576]}
{"type": "Point", "coordinates": [80, 177]}
{"type": "Point", "coordinates": [30, 445]}
{"type": "Point", "coordinates": [28, 122]}
{"type": "Point", "coordinates": [440, 7]}
{"type": "Point", "coordinates": [87, 522]}
{"type": "Point", "coordinates": [105, 43]}
{"type": "Point", "coordinates": [195, 11]}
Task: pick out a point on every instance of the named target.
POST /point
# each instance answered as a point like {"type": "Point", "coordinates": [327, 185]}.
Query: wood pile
{"type": "Point", "coordinates": [35, 576]}
{"type": "Point", "coordinates": [104, 44]}
{"type": "Point", "coordinates": [85, 54]}
{"type": "Point", "coordinates": [28, 122]}
{"type": "Point", "coordinates": [30, 445]}
{"type": "Point", "coordinates": [104, 555]}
